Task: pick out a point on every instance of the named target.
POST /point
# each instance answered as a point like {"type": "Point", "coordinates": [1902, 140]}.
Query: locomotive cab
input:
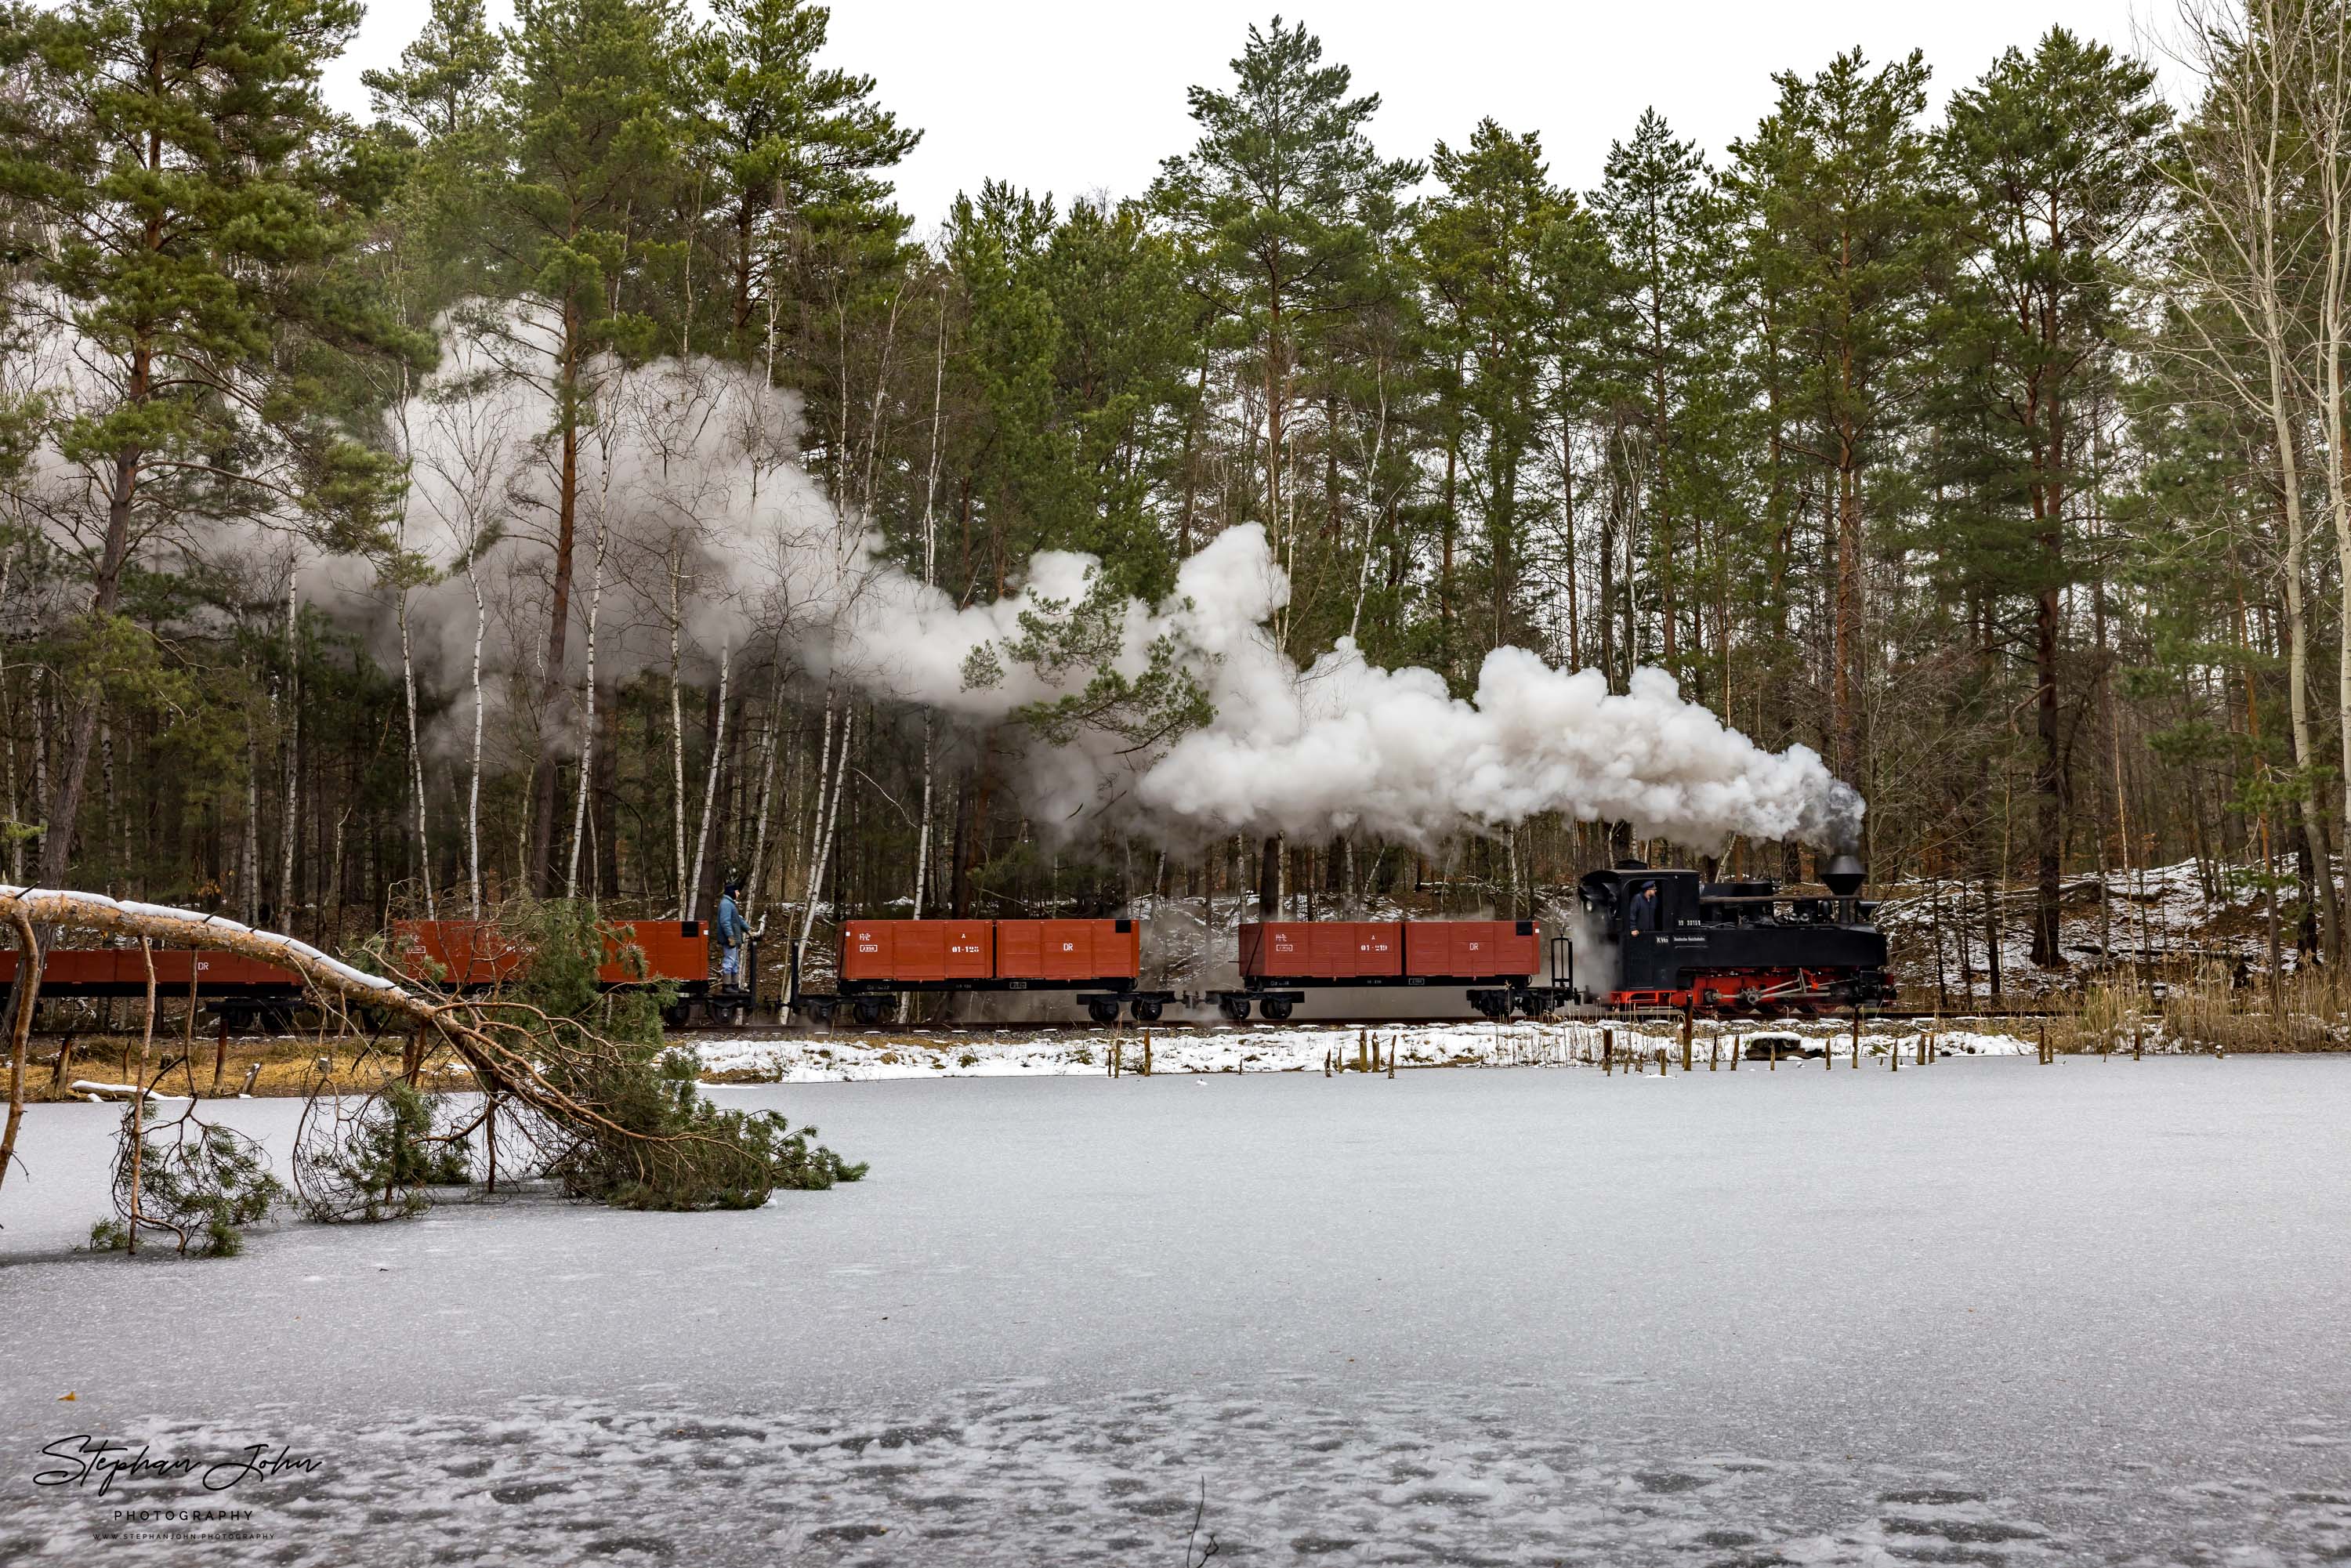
{"type": "Point", "coordinates": [1681, 942]}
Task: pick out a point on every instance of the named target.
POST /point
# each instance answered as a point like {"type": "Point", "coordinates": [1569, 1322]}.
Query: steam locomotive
{"type": "Point", "coordinates": [1669, 940]}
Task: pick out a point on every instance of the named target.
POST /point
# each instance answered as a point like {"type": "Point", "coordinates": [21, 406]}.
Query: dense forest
{"type": "Point", "coordinates": [579, 479]}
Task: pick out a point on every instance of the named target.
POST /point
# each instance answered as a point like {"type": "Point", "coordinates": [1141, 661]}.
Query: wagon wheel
{"type": "Point", "coordinates": [1234, 1008]}
{"type": "Point", "coordinates": [1276, 1008]}
{"type": "Point", "coordinates": [1146, 1010]}
{"type": "Point", "coordinates": [868, 1010]}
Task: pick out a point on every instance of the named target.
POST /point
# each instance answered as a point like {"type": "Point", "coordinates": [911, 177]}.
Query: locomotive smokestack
{"type": "Point", "coordinates": [1843, 876]}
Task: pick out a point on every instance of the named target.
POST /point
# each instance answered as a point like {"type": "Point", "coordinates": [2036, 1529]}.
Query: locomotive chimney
{"type": "Point", "coordinates": [1843, 877]}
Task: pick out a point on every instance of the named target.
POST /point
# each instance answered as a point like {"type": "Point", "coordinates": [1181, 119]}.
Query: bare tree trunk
{"type": "Point", "coordinates": [541, 866]}
{"type": "Point", "coordinates": [289, 827]}
{"type": "Point", "coordinates": [474, 785]}
{"type": "Point", "coordinates": [24, 996]}
{"type": "Point", "coordinates": [138, 1110]}
{"type": "Point", "coordinates": [831, 813]}
{"type": "Point", "coordinates": [676, 726]}
{"type": "Point", "coordinates": [416, 759]}
{"type": "Point", "coordinates": [248, 878]}
{"type": "Point", "coordinates": [823, 788]}
{"type": "Point", "coordinates": [753, 888]}
{"type": "Point", "coordinates": [930, 579]}
{"type": "Point", "coordinates": [710, 784]}
{"type": "Point", "coordinates": [587, 706]}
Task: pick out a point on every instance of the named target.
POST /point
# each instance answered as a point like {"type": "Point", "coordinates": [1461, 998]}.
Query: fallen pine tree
{"type": "Point", "coordinates": [591, 1092]}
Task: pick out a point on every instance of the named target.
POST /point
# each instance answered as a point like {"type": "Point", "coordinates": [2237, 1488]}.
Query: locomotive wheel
{"type": "Point", "coordinates": [1146, 1010]}
{"type": "Point", "coordinates": [1234, 1008]}
{"type": "Point", "coordinates": [1276, 1008]}
{"type": "Point", "coordinates": [868, 1010]}
{"type": "Point", "coordinates": [1103, 1010]}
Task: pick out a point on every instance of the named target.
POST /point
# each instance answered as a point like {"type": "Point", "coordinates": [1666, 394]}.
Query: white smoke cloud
{"type": "Point", "coordinates": [1392, 753]}
{"type": "Point", "coordinates": [711, 533]}
{"type": "Point", "coordinates": [693, 469]}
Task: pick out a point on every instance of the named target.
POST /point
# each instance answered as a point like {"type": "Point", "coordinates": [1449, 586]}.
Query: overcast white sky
{"type": "Point", "coordinates": [1076, 96]}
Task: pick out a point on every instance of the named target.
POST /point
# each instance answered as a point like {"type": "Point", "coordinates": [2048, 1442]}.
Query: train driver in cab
{"type": "Point", "coordinates": [1641, 910]}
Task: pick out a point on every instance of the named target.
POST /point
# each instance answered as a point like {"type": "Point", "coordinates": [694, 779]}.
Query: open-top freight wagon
{"type": "Point", "coordinates": [471, 955]}
{"type": "Point", "coordinates": [243, 992]}
{"type": "Point", "coordinates": [476, 956]}
{"type": "Point", "coordinates": [1494, 962]}
{"type": "Point", "coordinates": [1099, 961]}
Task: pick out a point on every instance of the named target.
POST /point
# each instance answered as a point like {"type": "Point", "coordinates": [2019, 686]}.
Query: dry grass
{"type": "Point", "coordinates": [2310, 1011]}
{"type": "Point", "coordinates": [2307, 1010]}
{"type": "Point", "coordinates": [288, 1066]}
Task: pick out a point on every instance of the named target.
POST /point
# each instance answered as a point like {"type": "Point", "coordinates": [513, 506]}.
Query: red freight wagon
{"type": "Point", "coordinates": [1321, 949]}
{"type": "Point", "coordinates": [1471, 949]}
{"type": "Point", "coordinates": [673, 950]}
{"type": "Point", "coordinates": [922, 951]}
{"type": "Point", "coordinates": [471, 954]}
{"type": "Point", "coordinates": [1063, 952]}
{"type": "Point", "coordinates": [121, 972]}
{"type": "Point", "coordinates": [1494, 962]}
{"type": "Point", "coordinates": [462, 953]}
{"type": "Point", "coordinates": [880, 958]}
{"type": "Point", "coordinates": [241, 990]}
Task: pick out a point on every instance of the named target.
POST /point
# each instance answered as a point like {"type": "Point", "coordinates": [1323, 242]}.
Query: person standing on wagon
{"type": "Point", "coordinates": [732, 933]}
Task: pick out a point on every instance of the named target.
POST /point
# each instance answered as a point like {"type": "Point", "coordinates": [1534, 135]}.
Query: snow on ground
{"type": "Point", "coordinates": [2176, 917]}
{"type": "Point", "coordinates": [1016, 1052]}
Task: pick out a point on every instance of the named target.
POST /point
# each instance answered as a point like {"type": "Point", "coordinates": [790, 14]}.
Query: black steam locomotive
{"type": "Point", "coordinates": [1744, 947]}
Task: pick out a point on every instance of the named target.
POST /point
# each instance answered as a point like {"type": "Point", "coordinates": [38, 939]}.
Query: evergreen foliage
{"type": "Point", "coordinates": [200, 1182]}
{"type": "Point", "coordinates": [604, 1052]}
{"type": "Point", "coordinates": [1994, 450]}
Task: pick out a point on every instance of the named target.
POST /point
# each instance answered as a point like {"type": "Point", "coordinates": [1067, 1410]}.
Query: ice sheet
{"type": "Point", "coordinates": [1985, 1310]}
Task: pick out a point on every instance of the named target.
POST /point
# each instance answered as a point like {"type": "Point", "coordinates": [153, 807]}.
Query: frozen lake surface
{"type": "Point", "coordinates": [1983, 1311]}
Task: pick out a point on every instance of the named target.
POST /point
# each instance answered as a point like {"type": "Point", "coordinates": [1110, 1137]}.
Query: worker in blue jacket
{"type": "Point", "coordinates": [732, 933]}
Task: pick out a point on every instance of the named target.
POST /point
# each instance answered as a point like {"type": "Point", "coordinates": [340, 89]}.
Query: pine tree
{"type": "Point", "coordinates": [1272, 195]}
{"type": "Point", "coordinates": [1845, 223]}
{"type": "Point", "coordinates": [1656, 205]}
{"type": "Point", "coordinates": [191, 192]}
{"type": "Point", "coordinates": [590, 118]}
{"type": "Point", "coordinates": [785, 136]}
{"type": "Point", "coordinates": [2058, 156]}
{"type": "Point", "coordinates": [1481, 243]}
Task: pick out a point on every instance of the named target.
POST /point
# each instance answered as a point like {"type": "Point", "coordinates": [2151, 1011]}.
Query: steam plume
{"type": "Point", "coordinates": [693, 469]}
